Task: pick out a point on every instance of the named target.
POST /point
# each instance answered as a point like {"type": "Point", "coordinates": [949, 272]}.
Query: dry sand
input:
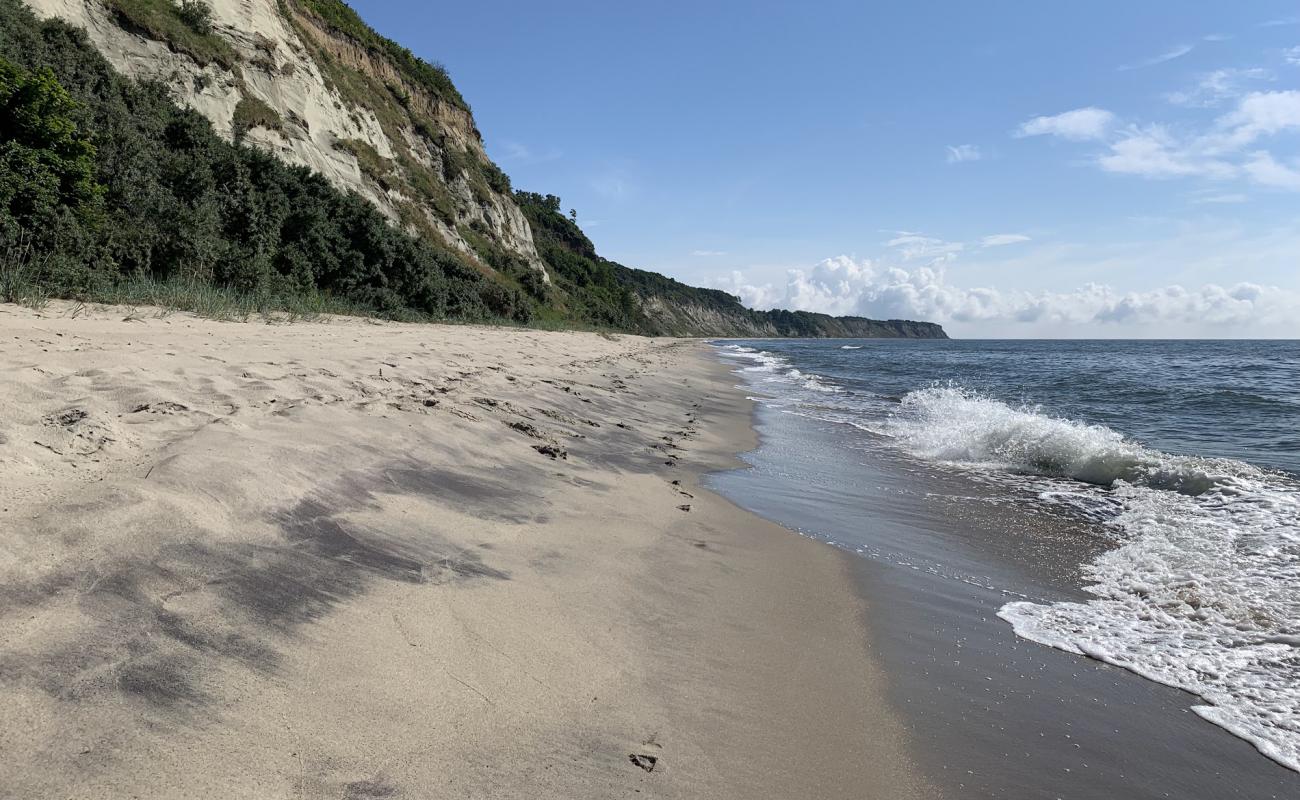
{"type": "Point", "coordinates": [328, 560]}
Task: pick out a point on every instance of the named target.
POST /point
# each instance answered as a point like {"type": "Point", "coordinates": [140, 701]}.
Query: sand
{"type": "Point", "coordinates": [348, 559]}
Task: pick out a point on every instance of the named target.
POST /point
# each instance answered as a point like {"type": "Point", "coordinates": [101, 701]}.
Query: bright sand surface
{"type": "Point", "coordinates": [327, 560]}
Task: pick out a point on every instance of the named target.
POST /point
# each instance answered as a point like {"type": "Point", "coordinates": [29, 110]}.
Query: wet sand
{"type": "Point", "coordinates": [994, 716]}
{"type": "Point", "coordinates": [344, 559]}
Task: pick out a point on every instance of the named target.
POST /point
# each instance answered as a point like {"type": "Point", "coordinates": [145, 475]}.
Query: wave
{"type": "Point", "coordinates": [1201, 590]}
{"type": "Point", "coordinates": [952, 424]}
{"type": "Point", "coordinates": [777, 369]}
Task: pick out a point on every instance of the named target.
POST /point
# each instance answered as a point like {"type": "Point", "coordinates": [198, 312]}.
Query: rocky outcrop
{"type": "Point", "coordinates": [287, 82]}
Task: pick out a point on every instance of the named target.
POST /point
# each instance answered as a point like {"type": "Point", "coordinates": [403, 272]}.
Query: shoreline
{"type": "Point", "coordinates": [361, 559]}
{"type": "Point", "coordinates": [992, 715]}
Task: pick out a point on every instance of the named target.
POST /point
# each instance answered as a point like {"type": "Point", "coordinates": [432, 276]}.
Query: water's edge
{"type": "Point", "coordinates": [952, 582]}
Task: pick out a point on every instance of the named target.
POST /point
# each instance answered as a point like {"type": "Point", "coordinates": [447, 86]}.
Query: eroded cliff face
{"type": "Point", "coordinates": [683, 318]}
{"type": "Point", "coordinates": [312, 95]}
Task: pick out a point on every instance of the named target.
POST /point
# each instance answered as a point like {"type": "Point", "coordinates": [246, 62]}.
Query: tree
{"type": "Point", "coordinates": [46, 159]}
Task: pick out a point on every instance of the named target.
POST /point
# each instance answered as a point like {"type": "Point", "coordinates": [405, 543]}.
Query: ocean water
{"type": "Point", "coordinates": [1184, 455]}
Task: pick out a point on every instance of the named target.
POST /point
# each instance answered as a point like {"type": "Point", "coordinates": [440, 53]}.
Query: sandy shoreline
{"type": "Point", "coordinates": [351, 559]}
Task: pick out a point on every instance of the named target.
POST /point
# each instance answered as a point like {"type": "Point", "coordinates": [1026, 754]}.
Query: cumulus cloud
{"type": "Point", "coordinates": [959, 153]}
{"type": "Point", "coordinates": [1226, 148]}
{"type": "Point", "coordinates": [843, 285]}
{"type": "Point", "coordinates": [1081, 124]}
{"type": "Point", "coordinates": [1262, 114]}
{"type": "Point", "coordinates": [1000, 239]}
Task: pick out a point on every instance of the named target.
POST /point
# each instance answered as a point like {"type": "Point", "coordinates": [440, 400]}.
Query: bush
{"type": "Point", "coordinates": [197, 14]}
{"type": "Point", "coordinates": [250, 113]}
{"type": "Point", "coordinates": [116, 191]}
{"type": "Point", "coordinates": [187, 27]}
{"type": "Point", "coordinates": [46, 159]}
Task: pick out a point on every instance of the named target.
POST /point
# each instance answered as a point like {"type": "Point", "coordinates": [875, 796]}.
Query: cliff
{"type": "Point", "coordinates": [309, 83]}
{"type": "Point", "coordinates": [663, 306]}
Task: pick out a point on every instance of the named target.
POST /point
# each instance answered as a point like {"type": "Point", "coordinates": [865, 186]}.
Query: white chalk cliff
{"type": "Point", "coordinates": [337, 105]}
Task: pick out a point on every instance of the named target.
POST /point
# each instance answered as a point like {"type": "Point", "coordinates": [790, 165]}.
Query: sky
{"type": "Point", "coordinates": [1008, 169]}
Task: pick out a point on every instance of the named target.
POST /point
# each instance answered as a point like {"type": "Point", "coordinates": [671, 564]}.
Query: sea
{"type": "Point", "coordinates": [1157, 483]}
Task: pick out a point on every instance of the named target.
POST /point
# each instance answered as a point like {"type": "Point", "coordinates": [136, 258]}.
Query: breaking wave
{"type": "Point", "coordinates": [1202, 591]}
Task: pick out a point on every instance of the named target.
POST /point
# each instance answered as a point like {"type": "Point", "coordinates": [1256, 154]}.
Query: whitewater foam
{"type": "Point", "coordinates": [1201, 590]}
{"type": "Point", "coordinates": [777, 369]}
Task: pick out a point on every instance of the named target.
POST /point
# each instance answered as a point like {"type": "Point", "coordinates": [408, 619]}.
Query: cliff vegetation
{"type": "Point", "coordinates": [305, 164]}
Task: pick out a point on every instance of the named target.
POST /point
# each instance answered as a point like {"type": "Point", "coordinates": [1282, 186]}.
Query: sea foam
{"type": "Point", "coordinates": [1202, 591]}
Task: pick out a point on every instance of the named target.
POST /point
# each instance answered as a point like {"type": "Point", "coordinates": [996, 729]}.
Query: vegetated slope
{"type": "Point", "coordinates": [104, 181]}
{"type": "Point", "coordinates": [391, 205]}
{"type": "Point", "coordinates": [308, 81]}
{"type": "Point", "coordinates": [648, 302]}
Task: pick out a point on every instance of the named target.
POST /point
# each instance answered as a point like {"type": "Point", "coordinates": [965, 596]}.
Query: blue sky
{"type": "Point", "coordinates": [1008, 169]}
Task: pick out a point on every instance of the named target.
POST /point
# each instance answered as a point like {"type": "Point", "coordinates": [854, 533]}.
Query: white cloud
{"type": "Point", "coordinates": [1218, 152]}
{"type": "Point", "coordinates": [1214, 88]}
{"type": "Point", "coordinates": [708, 253]}
{"type": "Point", "coordinates": [1154, 153]}
{"type": "Point", "coordinates": [1232, 197]}
{"type": "Point", "coordinates": [1262, 114]}
{"type": "Point", "coordinates": [1081, 124]}
{"type": "Point", "coordinates": [1000, 239]}
{"type": "Point", "coordinates": [1267, 171]}
{"type": "Point", "coordinates": [843, 285]}
{"type": "Point", "coordinates": [963, 152]}
{"type": "Point", "coordinates": [1292, 56]}
{"type": "Point", "coordinates": [913, 246]}
{"type": "Point", "coordinates": [1169, 55]}
{"type": "Point", "coordinates": [1274, 23]}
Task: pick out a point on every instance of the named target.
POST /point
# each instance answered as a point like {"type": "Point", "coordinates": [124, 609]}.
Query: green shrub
{"type": "Point", "coordinates": [47, 159]}
{"type": "Point", "coordinates": [187, 27]}
{"type": "Point", "coordinates": [197, 15]}
{"type": "Point", "coordinates": [250, 112]}
{"type": "Point", "coordinates": [373, 165]}
{"type": "Point", "coordinates": [432, 78]}
{"type": "Point", "coordinates": [498, 180]}
{"type": "Point", "coordinates": [115, 193]}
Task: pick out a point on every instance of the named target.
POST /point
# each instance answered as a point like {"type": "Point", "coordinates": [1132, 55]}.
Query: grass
{"type": "Point", "coordinates": [223, 303]}
{"type": "Point", "coordinates": [432, 78]}
{"type": "Point", "coordinates": [163, 21]}
{"type": "Point", "coordinates": [19, 271]}
{"type": "Point", "coordinates": [144, 298]}
{"type": "Point", "coordinates": [165, 297]}
{"type": "Point", "coordinates": [251, 113]}
{"type": "Point", "coordinates": [373, 166]}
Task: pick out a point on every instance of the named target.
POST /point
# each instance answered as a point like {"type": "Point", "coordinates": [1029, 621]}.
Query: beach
{"type": "Point", "coordinates": [946, 546]}
{"type": "Point", "coordinates": [346, 558]}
